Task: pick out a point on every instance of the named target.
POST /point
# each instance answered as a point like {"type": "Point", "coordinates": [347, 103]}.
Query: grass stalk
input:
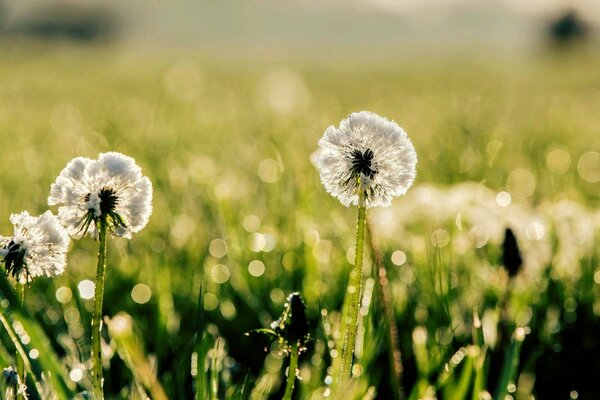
{"type": "Point", "coordinates": [395, 356]}
{"type": "Point", "coordinates": [97, 379]}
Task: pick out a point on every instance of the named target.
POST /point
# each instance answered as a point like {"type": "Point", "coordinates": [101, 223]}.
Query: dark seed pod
{"type": "Point", "coordinates": [292, 325]}
{"type": "Point", "coordinates": [511, 255]}
{"type": "Point", "coordinates": [9, 379]}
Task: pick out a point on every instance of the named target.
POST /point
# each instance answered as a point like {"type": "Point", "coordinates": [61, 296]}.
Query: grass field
{"type": "Point", "coordinates": [239, 212]}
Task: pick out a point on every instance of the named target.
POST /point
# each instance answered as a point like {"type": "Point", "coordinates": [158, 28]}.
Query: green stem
{"type": "Point", "coordinates": [19, 359]}
{"type": "Point", "coordinates": [97, 314]}
{"type": "Point", "coordinates": [354, 289]}
{"type": "Point", "coordinates": [291, 378]}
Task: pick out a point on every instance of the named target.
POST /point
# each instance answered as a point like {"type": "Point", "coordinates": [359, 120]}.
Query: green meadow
{"type": "Point", "coordinates": [241, 220]}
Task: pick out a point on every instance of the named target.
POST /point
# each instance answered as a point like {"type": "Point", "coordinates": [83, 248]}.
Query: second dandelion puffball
{"type": "Point", "coordinates": [111, 187]}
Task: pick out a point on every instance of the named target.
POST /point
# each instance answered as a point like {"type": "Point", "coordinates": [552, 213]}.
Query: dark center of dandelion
{"type": "Point", "coordinates": [361, 163]}
{"type": "Point", "coordinates": [108, 205]}
{"type": "Point", "coordinates": [108, 201]}
{"type": "Point", "coordinates": [14, 260]}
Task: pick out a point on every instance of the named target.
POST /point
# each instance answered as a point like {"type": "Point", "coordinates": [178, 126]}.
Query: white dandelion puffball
{"type": "Point", "coordinates": [111, 188]}
{"type": "Point", "coordinates": [38, 246]}
{"type": "Point", "coordinates": [369, 153]}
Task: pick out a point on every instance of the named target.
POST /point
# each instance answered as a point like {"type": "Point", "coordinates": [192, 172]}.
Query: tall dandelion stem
{"type": "Point", "coordinates": [19, 359]}
{"type": "Point", "coordinates": [291, 378]}
{"type": "Point", "coordinates": [97, 315]}
{"type": "Point", "coordinates": [354, 288]}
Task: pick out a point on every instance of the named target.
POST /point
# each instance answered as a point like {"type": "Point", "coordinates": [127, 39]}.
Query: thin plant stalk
{"type": "Point", "coordinates": [97, 314]}
{"type": "Point", "coordinates": [355, 288]}
{"type": "Point", "coordinates": [395, 356]}
{"type": "Point", "coordinates": [291, 378]}
{"type": "Point", "coordinates": [19, 359]}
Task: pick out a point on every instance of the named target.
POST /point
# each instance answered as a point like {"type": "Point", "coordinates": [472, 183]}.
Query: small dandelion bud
{"type": "Point", "coordinates": [10, 384]}
{"type": "Point", "coordinates": [292, 326]}
{"type": "Point", "coordinates": [511, 256]}
{"type": "Point", "coordinates": [9, 377]}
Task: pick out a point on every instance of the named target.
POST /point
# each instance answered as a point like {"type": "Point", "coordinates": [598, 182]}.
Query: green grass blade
{"type": "Point", "coordinates": [511, 364]}
{"type": "Point", "coordinates": [47, 361]}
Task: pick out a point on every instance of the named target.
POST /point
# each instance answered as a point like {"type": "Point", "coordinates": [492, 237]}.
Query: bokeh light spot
{"type": "Point", "coordinates": [268, 171]}
{"type": "Point", "coordinates": [141, 293]}
{"type": "Point", "coordinates": [228, 310]}
{"type": "Point", "coordinates": [398, 257]}
{"type": "Point", "coordinates": [589, 166]}
{"type": "Point", "coordinates": [76, 375]}
{"type": "Point", "coordinates": [251, 223]}
{"type": "Point", "coordinates": [211, 302]}
{"type": "Point", "coordinates": [34, 354]}
{"type": "Point", "coordinates": [558, 161]}
{"type": "Point", "coordinates": [217, 248]}
{"type": "Point", "coordinates": [63, 294]}
{"type": "Point", "coordinates": [219, 273]}
{"type": "Point", "coordinates": [521, 183]}
{"type": "Point", "coordinates": [256, 268]}
{"type": "Point", "coordinates": [503, 199]}
{"type": "Point", "coordinates": [87, 289]}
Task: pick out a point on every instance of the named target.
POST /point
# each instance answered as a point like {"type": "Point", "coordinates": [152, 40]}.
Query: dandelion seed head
{"type": "Point", "coordinates": [38, 246]}
{"type": "Point", "coordinates": [110, 187]}
{"type": "Point", "coordinates": [366, 153]}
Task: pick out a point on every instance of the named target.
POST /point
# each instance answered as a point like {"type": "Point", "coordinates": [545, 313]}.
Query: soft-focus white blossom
{"type": "Point", "coordinates": [110, 187]}
{"type": "Point", "coordinates": [38, 246]}
{"type": "Point", "coordinates": [369, 153]}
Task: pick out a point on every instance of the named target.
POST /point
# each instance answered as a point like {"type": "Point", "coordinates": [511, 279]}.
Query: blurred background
{"type": "Point", "coordinates": [367, 27]}
{"type": "Point", "coordinates": [222, 104]}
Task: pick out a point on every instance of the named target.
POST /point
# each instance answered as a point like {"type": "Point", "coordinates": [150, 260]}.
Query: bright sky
{"type": "Point", "coordinates": [590, 8]}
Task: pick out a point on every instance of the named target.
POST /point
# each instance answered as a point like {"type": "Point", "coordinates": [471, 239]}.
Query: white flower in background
{"type": "Point", "coordinates": [38, 247]}
{"type": "Point", "coordinates": [111, 187]}
{"type": "Point", "coordinates": [369, 153]}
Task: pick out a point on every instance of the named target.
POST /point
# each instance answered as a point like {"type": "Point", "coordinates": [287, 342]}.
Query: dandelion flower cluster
{"type": "Point", "coordinates": [38, 247]}
{"type": "Point", "coordinates": [111, 187]}
{"type": "Point", "coordinates": [366, 153]}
